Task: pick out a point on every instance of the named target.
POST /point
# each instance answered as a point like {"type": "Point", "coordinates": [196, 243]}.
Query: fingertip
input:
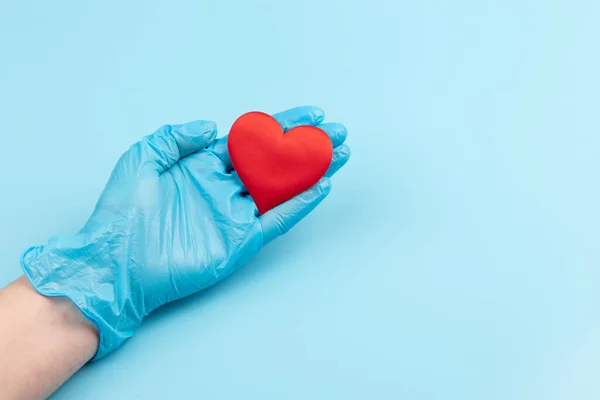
{"type": "Point", "coordinates": [194, 135]}
{"type": "Point", "coordinates": [342, 133]}
{"type": "Point", "coordinates": [343, 152]}
{"type": "Point", "coordinates": [341, 155]}
{"type": "Point", "coordinates": [312, 115]}
{"type": "Point", "coordinates": [196, 128]}
{"type": "Point", "coordinates": [210, 127]}
{"type": "Point", "coordinates": [297, 116]}
{"type": "Point", "coordinates": [337, 132]}
{"type": "Point", "coordinates": [318, 115]}
{"type": "Point", "coordinates": [325, 186]}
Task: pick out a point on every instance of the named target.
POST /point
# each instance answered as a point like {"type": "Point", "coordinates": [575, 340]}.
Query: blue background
{"type": "Point", "coordinates": [458, 254]}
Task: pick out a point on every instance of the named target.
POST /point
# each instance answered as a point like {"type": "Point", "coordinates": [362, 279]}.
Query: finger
{"type": "Point", "coordinates": [170, 143]}
{"type": "Point", "coordinates": [341, 155]}
{"type": "Point", "coordinates": [304, 115]}
{"type": "Point", "coordinates": [282, 218]}
{"type": "Point", "coordinates": [337, 132]}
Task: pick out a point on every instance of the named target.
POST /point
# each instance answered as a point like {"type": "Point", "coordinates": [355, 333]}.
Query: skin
{"type": "Point", "coordinates": [43, 342]}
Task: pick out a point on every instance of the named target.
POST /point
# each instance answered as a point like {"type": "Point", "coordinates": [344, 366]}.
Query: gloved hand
{"type": "Point", "coordinates": [173, 220]}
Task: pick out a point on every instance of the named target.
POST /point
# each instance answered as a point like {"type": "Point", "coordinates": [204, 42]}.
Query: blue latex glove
{"type": "Point", "coordinates": [173, 220]}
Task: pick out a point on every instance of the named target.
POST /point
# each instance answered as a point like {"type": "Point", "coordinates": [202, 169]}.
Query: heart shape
{"type": "Point", "coordinates": [273, 165]}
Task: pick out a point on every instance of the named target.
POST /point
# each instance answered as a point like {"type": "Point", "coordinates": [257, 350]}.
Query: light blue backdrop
{"type": "Point", "coordinates": [458, 255]}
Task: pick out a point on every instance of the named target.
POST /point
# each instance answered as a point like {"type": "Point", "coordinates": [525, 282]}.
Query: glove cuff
{"type": "Point", "coordinates": [56, 270]}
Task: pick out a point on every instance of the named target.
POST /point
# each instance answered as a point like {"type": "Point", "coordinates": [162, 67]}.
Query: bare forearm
{"type": "Point", "coordinates": [43, 341]}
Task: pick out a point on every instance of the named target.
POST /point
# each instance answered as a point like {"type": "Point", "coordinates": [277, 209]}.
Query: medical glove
{"type": "Point", "coordinates": [173, 219]}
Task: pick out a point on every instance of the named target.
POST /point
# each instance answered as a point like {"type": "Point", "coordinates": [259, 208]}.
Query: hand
{"type": "Point", "coordinates": [173, 220]}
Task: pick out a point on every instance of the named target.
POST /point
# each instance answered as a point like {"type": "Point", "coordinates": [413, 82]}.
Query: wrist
{"type": "Point", "coordinates": [61, 313]}
{"type": "Point", "coordinates": [68, 267]}
{"type": "Point", "coordinates": [43, 341]}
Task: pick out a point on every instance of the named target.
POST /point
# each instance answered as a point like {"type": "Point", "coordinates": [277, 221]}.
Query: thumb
{"type": "Point", "coordinates": [284, 217]}
{"type": "Point", "coordinates": [170, 143]}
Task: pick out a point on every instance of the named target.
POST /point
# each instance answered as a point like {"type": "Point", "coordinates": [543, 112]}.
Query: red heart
{"type": "Point", "coordinates": [275, 166]}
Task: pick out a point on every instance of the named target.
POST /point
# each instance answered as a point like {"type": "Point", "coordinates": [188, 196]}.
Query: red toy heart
{"type": "Point", "coordinates": [275, 166]}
